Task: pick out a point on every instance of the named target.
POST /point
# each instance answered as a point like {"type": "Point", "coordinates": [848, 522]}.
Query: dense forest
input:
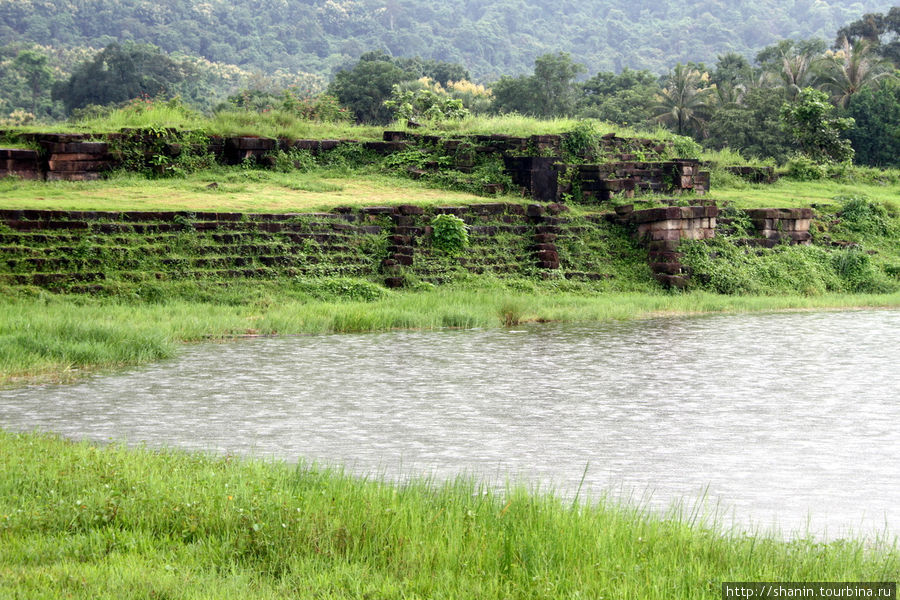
{"type": "Point", "coordinates": [831, 100]}
{"type": "Point", "coordinates": [490, 37]}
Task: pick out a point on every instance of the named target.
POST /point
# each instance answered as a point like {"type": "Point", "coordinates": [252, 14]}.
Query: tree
{"type": "Point", "coordinates": [876, 134]}
{"type": "Point", "coordinates": [794, 62]}
{"type": "Point", "coordinates": [811, 123]}
{"type": "Point", "coordinates": [554, 78]}
{"type": "Point", "coordinates": [625, 98]}
{"type": "Point", "coordinates": [549, 92]}
{"type": "Point", "coordinates": [851, 69]}
{"type": "Point", "coordinates": [751, 125]}
{"type": "Point", "coordinates": [732, 70]}
{"type": "Point", "coordinates": [34, 68]}
{"type": "Point", "coordinates": [881, 31]}
{"type": "Point", "coordinates": [683, 102]}
{"type": "Point", "coordinates": [117, 74]}
{"type": "Point", "coordinates": [364, 88]}
{"type": "Point", "coordinates": [514, 94]}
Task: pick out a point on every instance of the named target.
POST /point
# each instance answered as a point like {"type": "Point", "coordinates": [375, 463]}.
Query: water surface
{"type": "Point", "coordinates": [786, 420]}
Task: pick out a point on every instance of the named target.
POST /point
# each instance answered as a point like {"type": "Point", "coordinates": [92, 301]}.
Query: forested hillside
{"type": "Point", "coordinates": [490, 37]}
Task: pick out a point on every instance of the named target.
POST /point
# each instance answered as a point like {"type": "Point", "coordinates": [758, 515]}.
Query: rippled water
{"type": "Point", "coordinates": [786, 420]}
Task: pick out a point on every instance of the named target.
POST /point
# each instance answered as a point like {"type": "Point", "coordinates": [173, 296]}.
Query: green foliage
{"type": "Point", "coordinates": [341, 289]}
{"type": "Point", "coordinates": [549, 92]}
{"type": "Point", "coordinates": [449, 234]}
{"type": "Point", "coordinates": [365, 88]}
{"type": "Point", "coordinates": [803, 168]}
{"type": "Point", "coordinates": [684, 103]}
{"type": "Point", "coordinates": [583, 142]}
{"type": "Point", "coordinates": [751, 125]}
{"type": "Point", "coordinates": [425, 105]}
{"type": "Point", "coordinates": [323, 107]}
{"type": "Point", "coordinates": [626, 98]}
{"type": "Point", "coordinates": [109, 521]}
{"type": "Point", "coordinates": [811, 122]}
{"type": "Point", "coordinates": [292, 160]}
{"type": "Point", "coordinates": [875, 136]}
{"type": "Point", "coordinates": [862, 215]}
{"type": "Point", "coordinates": [161, 151]}
{"type": "Point", "coordinates": [881, 30]}
{"type": "Point", "coordinates": [120, 73]}
{"type": "Point", "coordinates": [723, 267]}
{"type": "Point", "coordinates": [299, 36]}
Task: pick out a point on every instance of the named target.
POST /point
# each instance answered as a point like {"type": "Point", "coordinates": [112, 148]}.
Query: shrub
{"type": "Point", "coordinates": [449, 234]}
{"type": "Point", "coordinates": [803, 168]}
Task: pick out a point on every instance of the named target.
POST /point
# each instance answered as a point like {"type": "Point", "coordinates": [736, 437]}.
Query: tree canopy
{"type": "Point", "coordinates": [117, 74]}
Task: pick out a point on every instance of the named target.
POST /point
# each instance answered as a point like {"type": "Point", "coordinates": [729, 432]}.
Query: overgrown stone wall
{"type": "Point", "coordinates": [96, 251]}
{"type": "Point", "coordinates": [534, 163]}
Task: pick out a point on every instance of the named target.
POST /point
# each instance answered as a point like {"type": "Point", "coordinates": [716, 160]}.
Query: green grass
{"type": "Point", "coordinates": [236, 190]}
{"type": "Point", "coordinates": [159, 115]}
{"type": "Point", "coordinates": [279, 123]}
{"type": "Point", "coordinates": [58, 337]}
{"type": "Point", "coordinates": [787, 193]}
{"type": "Point", "coordinates": [80, 521]}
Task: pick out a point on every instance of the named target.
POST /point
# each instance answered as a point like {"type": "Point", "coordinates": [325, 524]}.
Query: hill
{"type": "Point", "coordinates": [489, 37]}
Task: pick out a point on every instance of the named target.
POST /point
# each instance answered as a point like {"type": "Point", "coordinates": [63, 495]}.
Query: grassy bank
{"type": "Point", "coordinates": [78, 521]}
{"type": "Point", "coordinates": [57, 337]}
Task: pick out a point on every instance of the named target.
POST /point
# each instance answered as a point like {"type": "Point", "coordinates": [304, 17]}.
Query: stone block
{"type": "Point", "coordinates": [665, 234]}
{"type": "Point", "coordinates": [251, 143]}
{"type": "Point", "coordinates": [21, 154]}
{"type": "Point", "coordinates": [668, 224]}
{"type": "Point", "coordinates": [550, 247]}
{"type": "Point", "coordinates": [672, 268]}
{"type": "Point", "coordinates": [309, 145]}
{"type": "Point", "coordinates": [79, 166]}
{"type": "Point", "coordinates": [672, 281]}
{"type": "Point", "coordinates": [665, 256]}
{"type": "Point", "coordinates": [663, 245]}
{"type": "Point", "coordinates": [377, 210]}
{"type": "Point", "coordinates": [534, 210]}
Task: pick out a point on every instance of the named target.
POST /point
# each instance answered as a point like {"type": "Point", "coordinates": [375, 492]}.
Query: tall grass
{"type": "Point", "coordinates": [60, 336]}
{"type": "Point", "coordinates": [523, 126]}
{"type": "Point", "coordinates": [78, 521]}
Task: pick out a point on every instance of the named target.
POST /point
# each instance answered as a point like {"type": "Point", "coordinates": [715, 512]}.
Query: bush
{"type": "Point", "coordinates": [723, 267]}
{"type": "Point", "coordinates": [862, 215]}
{"type": "Point", "coordinates": [449, 234]}
{"type": "Point", "coordinates": [803, 168]}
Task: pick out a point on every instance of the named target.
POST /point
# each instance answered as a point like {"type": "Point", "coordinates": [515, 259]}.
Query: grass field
{"type": "Point", "coordinates": [323, 188]}
{"type": "Point", "coordinates": [80, 521]}
{"type": "Point", "coordinates": [235, 190]}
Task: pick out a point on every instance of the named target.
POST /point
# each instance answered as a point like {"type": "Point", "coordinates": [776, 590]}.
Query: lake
{"type": "Point", "coordinates": [785, 420]}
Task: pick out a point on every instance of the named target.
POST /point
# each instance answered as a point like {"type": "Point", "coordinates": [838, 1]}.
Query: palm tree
{"type": "Point", "coordinates": [853, 68]}
{"type": "Point", "coordinates": [797, 73]}
{"type": "Point", "coordinates": [683, 102]}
